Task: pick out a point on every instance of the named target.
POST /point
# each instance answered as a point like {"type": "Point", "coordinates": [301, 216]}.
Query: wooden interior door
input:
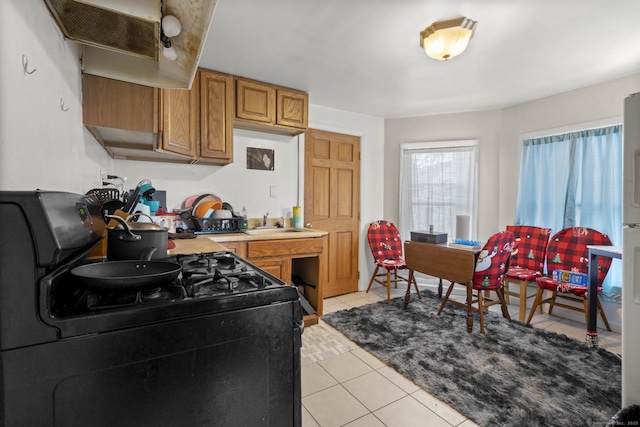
{"type": "Point", "coordinates": [332, 203]}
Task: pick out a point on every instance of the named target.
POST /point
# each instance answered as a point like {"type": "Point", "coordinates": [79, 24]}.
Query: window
{"type": "Point", "coordinates": [575, 179]}
{"type": "Point", "coordinates": [437, 183]}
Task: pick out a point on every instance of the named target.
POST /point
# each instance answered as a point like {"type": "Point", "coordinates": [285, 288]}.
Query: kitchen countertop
{"type": "Point", "coordinates": [272, 235]}
{"type": "Point", "coordinates": [215, 242]}
{"type": "Point", "coordinates": [193, 246]}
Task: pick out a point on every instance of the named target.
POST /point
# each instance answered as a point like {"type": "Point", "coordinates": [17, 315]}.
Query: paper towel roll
{"type": "Point", "coordinates": [462, 226]}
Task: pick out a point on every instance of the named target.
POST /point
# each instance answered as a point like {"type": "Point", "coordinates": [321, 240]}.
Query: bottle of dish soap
{"type": "Point", "coordinates": [245, 222]}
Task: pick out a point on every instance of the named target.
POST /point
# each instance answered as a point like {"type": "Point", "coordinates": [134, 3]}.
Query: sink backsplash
{"type": "Point", "coordinates": [271, 222]}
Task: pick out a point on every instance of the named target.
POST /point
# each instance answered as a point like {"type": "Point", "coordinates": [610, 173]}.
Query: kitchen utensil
{"type": "Point", "coordinates": [221, 214]}
{"type": "Point", "coordinates": [136, 240]}
{"type": "Point", "coordinates": [105, 194]}
{"type": "Point", "coordinates": [110, 207]}
{"type": "Point", "coordinates": [193, 201]}
{"type": "Point", "coordinates": [132, 201]}
{"type": "Point", "coordinates": [153, 206]}
{"type": "Point", "coordinates": [203, 208]}
{"type": "Point", "coordinates": [119, 275]}
{"type": "Point", "coordinates": [146, 188]}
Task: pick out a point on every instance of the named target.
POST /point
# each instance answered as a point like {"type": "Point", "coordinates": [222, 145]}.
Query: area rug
{"type": "Point", "coordinates": [513, 375]}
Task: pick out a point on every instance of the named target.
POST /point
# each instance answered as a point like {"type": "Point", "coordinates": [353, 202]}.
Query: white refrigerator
{"type": "Point", "coordinates": [631, 252]}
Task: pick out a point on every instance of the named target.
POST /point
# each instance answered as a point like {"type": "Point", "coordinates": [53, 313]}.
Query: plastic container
{"type": "Point", "coordinates": [297, 217]}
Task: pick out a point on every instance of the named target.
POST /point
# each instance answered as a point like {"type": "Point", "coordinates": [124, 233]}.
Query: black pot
{"type": "Point", "coordinates": [136, 240]}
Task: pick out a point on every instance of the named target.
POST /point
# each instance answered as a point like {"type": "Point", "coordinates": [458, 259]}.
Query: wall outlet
{"type": "Point", "coordinates": [272, 190]}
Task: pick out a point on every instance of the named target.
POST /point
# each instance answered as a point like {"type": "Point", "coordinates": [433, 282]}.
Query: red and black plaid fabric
{"type": "Point", "coordinates": [493, 261]}
{"type": "Point", "coordinates": [386, 245]}
{"type": "Point", "coordinates": [529, 251]}
{"type": "Point", "coordinates": [567, 250]}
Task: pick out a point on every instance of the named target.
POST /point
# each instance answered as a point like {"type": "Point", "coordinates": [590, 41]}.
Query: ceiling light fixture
{"type": "Point", "coordinates": [170, 27]}
{"type": "Point", "coordinates": [444, 40]}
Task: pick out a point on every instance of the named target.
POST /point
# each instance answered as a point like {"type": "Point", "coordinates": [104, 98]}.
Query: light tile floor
{"type": "Point", "coordinates": [343, 385]}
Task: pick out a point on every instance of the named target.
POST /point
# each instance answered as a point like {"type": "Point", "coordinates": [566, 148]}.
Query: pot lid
{"type": "Point", "coordinates": [136, 226]}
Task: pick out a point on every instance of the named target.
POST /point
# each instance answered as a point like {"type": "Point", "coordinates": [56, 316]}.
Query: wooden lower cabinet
{"type": "Point", "coordinates": [284, 258]}
{"type": "Point", "coordinates": [279, 267]}
{"type": "Point", "coordinates": [238, 248]}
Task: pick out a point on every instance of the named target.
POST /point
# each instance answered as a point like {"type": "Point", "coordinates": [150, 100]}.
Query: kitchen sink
{"type": "Point", "coordinates": [271, 230]}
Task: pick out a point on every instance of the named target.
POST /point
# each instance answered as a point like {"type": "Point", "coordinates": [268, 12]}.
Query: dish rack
{"type": "Point", "coordinates": [105, 194]}
{"type": "Point", "coordinates": [217, 225]}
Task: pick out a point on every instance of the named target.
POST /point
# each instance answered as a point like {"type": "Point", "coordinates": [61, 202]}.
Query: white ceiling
{"type": "Point", "coordinates": [364, 55]}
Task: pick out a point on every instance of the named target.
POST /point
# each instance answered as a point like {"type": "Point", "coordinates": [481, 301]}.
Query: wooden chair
{"type": "Point", "coordinates": [567, 250]}
{"type": "Point", "coordinates": [527, 263]}
{"type": "Point", "coordinates": [386, 248]}
{"type": "Point", "coordinates": [492, 263]}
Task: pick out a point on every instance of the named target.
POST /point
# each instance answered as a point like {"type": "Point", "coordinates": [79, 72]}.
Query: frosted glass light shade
{"type": "Point", "coordinates": [171, 26]}
{"type": "Point", "coordinates": [447, 39]}
{"type": "Point", "coordinates": [170, 53]}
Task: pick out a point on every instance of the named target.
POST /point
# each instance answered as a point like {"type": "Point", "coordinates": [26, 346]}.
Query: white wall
{"type": "Point", "coordinates": [41, 146]}
{"type": "Point", "coordinates": [483, 126]}
{"type": "Point", "coordinates": [499, 132]}
{"type": "Point", "coordinates": [44, 147]}
{"type": "Point", "coordinates": [234, 183]}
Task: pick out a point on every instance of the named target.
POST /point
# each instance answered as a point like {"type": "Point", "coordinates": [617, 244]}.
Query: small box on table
{"type": "Point", "coordinates": [571, 277]}
{"type": "Point", "coordinates": [426, 237]}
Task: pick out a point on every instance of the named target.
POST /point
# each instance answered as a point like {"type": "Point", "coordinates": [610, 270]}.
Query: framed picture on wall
{"type": "Point", "coordinates": [260, 158]}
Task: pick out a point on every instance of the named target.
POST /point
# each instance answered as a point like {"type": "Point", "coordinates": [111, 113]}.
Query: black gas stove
{"type": "Point", "coordinates": [220, 342]}
{"type": "Point", "coordinates": [203, 275]}
{"type": "Point", "coordinates": [209, 282]}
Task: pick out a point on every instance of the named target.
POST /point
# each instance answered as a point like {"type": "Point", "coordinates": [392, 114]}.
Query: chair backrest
{"type": "Point", "coordinates": [567, 250]}
{"type": "Point", "coordinates": [493, 261]}
{"type": "Point", "coordinates": [530, 247]}
{"type": "Point", "coordinates": [384, 240]}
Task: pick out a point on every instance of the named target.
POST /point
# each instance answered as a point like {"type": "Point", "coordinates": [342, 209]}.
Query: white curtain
{"type": "Point", "coordinates": [437, 182]}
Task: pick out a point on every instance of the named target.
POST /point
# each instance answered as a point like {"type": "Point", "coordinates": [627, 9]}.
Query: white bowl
{"type": "Point", "coordinates": [221, 214]}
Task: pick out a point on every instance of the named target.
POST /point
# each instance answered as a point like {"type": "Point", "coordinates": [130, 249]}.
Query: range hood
{"type": "Point", "coordinates": [121, 38]}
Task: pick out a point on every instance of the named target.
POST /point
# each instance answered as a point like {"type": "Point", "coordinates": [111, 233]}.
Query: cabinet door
{"type": "Point", "coordinates": [279, 267]}
{"type": "Point", "coordinates": [216, 117]}
{"type": "Point", "coordinates": [179, 121]}
{"type": "Point", "coordinates": [292, 108]}
{"type": "Point", "coordinates": [238, 248]}
{"type": "Point", "coordinates": [255, 101]}
{"type": "Point", "coordinates": [109, 103]}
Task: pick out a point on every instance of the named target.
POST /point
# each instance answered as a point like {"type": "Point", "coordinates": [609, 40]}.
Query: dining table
{"type": "Point", "coordinates": [443, 261]}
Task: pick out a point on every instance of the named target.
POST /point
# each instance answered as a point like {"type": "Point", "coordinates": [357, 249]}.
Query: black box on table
{"type": "Point", "coordinates": [426, 237]}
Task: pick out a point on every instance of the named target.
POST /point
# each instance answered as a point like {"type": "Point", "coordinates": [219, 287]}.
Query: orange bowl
{"type": "Point", "coordinates": [203, 207]}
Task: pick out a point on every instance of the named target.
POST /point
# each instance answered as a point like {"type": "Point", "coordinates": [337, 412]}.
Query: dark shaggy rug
{"type": "Point", "coordinates": [513, 375]}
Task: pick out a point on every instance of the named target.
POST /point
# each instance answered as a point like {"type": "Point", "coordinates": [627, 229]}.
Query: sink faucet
{"type": "Point", "coordinates": [264, 219]}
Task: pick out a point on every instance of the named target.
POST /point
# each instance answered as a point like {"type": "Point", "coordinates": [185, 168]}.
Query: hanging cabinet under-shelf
{"type": "Point", "coordinates": [142, 123]}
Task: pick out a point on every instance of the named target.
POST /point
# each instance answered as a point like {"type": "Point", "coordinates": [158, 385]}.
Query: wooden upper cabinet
{"type": "Point", "coordinates": [292, 108]}
{"type": "Point", "coordinates": [109, 103]}
{"type": "Point", "coordinates": [216, 117]}
{"type": "Point", "coordinates": [179, 121]}
{"type": "Point", "coordinates": [255, 101]}
{"type": "Point", "coordinates": [269, 108]}
{"type": "Point", "coordinates": [139, 122]}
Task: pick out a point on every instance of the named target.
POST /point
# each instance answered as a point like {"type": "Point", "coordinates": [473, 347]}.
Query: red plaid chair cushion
{"type": "Point", "coordinates": [493, 261]}
{"type": "Point", "coordinates": [529, 251]}
{"type": "Point", "coordinates": [386, 245]}
{"type": "Point", "coordinates": [567, 250]}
